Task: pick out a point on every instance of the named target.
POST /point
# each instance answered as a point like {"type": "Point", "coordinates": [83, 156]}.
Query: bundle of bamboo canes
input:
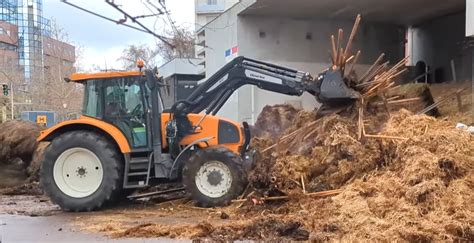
{"type": "Point", "coordinates": [374, 83]}
{"type": "Point", "coordinates": [378, 78]}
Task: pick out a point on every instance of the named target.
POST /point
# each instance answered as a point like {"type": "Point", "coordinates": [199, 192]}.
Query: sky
{"type": "Point", "coordinates": [101, 42]}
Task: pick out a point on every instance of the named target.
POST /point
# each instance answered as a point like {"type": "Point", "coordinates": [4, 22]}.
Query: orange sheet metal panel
{"type": "Point", "coordinates": [78, 77]}
{"type": "Point", "coordinates": [209, 128]}
{"type": "Point", "coordinates": [114, 132]}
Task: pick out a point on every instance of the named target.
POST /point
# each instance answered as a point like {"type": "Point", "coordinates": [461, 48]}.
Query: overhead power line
{"type": "Point", "coordinates": [173, 26]}
{"type": "Point", "coordinates": [142, 27]}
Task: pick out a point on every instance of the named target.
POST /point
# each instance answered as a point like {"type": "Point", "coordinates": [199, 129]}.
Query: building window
{"type": "Point", "coordinates": [211, 2]}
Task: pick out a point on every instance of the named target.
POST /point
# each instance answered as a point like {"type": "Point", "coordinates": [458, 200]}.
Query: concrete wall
{"type": "Point", "coordinates": [304, 45]}
{"type": "Point", "coordinates": [206, 12]}
{"type": "Point", "coordinates": [306, 40]}
{"type": "Point", "coordinates": [221, 34]}
{"type": "Point", "coordinates": [301, 44]}
{"type": "Point", "coordinates": [437, 42]}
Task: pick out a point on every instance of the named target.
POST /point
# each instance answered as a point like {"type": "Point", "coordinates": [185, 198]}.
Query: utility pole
{"type": "Point", "coordinates": [11, 100]}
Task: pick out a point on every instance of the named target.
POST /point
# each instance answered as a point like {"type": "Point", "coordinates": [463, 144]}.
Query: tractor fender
{"type": "Point", "coordinates": [196, 142]}
{"type": "Point", "coordinates": [89, 124]}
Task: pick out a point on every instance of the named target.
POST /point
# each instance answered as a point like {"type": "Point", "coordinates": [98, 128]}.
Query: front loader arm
{"type": "Point", "coordinates": [212, 94]}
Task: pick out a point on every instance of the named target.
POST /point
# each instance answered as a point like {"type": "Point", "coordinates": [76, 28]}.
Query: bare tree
{"type": "Point", "coordinates": [183, 41]}
{"type": "Point", "coordinates": [133, 53]}
{"type": "Point", "coordinates": [12, 75]}
{"type": "Point", "coordinates": [52, 92]}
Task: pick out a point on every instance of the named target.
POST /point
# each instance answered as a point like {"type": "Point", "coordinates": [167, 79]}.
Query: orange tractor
{"type": "Point", "coordinates": [126, 139]}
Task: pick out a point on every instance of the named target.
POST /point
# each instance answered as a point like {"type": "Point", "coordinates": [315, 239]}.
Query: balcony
{"type": "Point", "coordinates": [201, 53]}
{"type": "Point", "coordinates": [202, 62]}
{"type": "Point", "coordinates": [201, 42]}
{"type": "Point", "coordinates": [207, 8]}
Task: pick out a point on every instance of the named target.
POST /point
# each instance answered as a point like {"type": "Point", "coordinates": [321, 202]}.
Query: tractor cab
{"type": "Point", "coordinates": [120, 99]}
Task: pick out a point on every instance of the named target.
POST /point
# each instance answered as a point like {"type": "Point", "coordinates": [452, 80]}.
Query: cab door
{"type": "Point", "coordinates": [124, 106]}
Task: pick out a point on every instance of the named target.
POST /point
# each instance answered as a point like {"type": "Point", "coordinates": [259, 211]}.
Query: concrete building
{"type": "Point", "coordinates": [206, 11]}
{"type": "Point", "coordinates": [296, 34]}
{"type": "Point", "coordinates": [8, 41]}
{"type": "Point", "coordinates": [181, 76]}
{"type": "Point", "coordinates": [54, 49]}
{"type": "Point", "coordinates": [26, 38]}
{"type": "Point", "coordinates": [470, 18]}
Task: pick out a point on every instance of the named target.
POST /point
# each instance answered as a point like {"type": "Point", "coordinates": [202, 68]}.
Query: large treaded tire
{"type": "Point", "coordinates": [112, 164]}
{"type": "Point", "coordinates": [227, 157]}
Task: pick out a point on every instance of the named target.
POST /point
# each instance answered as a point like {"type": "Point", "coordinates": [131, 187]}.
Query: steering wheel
{"type": "Point", "coordinates": [136, 111]}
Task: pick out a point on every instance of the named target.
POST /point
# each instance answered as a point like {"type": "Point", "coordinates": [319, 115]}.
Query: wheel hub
{"type": "Point", "coordinates": [213, 179]}
{"type": "Point", "coordinates": [78, 172]}
{"type": "Point", "coordinates": [81, 172]}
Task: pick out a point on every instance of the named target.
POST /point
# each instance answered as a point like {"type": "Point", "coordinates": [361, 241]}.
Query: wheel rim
{"type": "Point", "coordinates": [214, 179]}
{"type": "Point", "coordinates": [78, 172]}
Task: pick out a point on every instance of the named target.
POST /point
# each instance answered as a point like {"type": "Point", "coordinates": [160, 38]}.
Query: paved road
{"type": "Point", "coordinates": [55, 228]}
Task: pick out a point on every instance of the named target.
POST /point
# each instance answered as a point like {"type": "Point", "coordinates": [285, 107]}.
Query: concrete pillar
{"type": "Point", "coordinates": [469, 17]}
{"type": "Point", "coordinates": [470, 32]}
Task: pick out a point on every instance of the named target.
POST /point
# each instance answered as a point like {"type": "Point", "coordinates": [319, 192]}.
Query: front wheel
{"type": "Point", "coordinates": [214, 176]}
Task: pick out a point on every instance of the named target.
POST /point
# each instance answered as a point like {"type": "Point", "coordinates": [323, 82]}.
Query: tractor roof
{"type": "Point", "coordinates": [79, 77]}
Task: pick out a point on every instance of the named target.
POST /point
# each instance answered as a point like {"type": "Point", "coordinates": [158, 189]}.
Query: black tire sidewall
{"type": "Point", "coordinates": [221, 154]}
{"type": "Point", "coordinates": [112, 167]}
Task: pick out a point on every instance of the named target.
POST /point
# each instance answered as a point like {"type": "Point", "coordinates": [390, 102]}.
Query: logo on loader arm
{"type": "Point", "coordinates": [256, 75]}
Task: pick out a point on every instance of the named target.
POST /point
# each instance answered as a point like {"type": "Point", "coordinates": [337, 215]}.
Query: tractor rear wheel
{"type": "Point", "coordinates": [82, 171]}
{"type": "Point", "coordinates": [214, 176]}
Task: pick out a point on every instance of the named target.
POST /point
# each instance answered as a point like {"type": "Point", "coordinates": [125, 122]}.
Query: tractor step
{"type": "Point", "coordinates": [137, 171]}
{"type": "Point", "coordinates": [139, 160]}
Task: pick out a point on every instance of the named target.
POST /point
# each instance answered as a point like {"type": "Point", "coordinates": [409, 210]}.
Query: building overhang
{"type": "Point", "coordinates": [400, 12]}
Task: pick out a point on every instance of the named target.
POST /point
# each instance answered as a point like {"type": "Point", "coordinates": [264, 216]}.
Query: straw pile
{"type": "Point", "coordinates": [413, 189]}
{"type": "Point", "coordinates": [18, 140]}
{"type": "Point", "coordinates": [419, 188]}
{"type": "Point", "coordinates": [20, 157]}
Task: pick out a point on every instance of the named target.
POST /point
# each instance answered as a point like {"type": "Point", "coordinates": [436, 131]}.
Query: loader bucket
{"type": "Point", "coordinates": [334, 91]}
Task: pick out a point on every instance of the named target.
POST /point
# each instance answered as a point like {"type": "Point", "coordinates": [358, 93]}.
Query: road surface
{"type": "Point", "coordinates": [34, 219]}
